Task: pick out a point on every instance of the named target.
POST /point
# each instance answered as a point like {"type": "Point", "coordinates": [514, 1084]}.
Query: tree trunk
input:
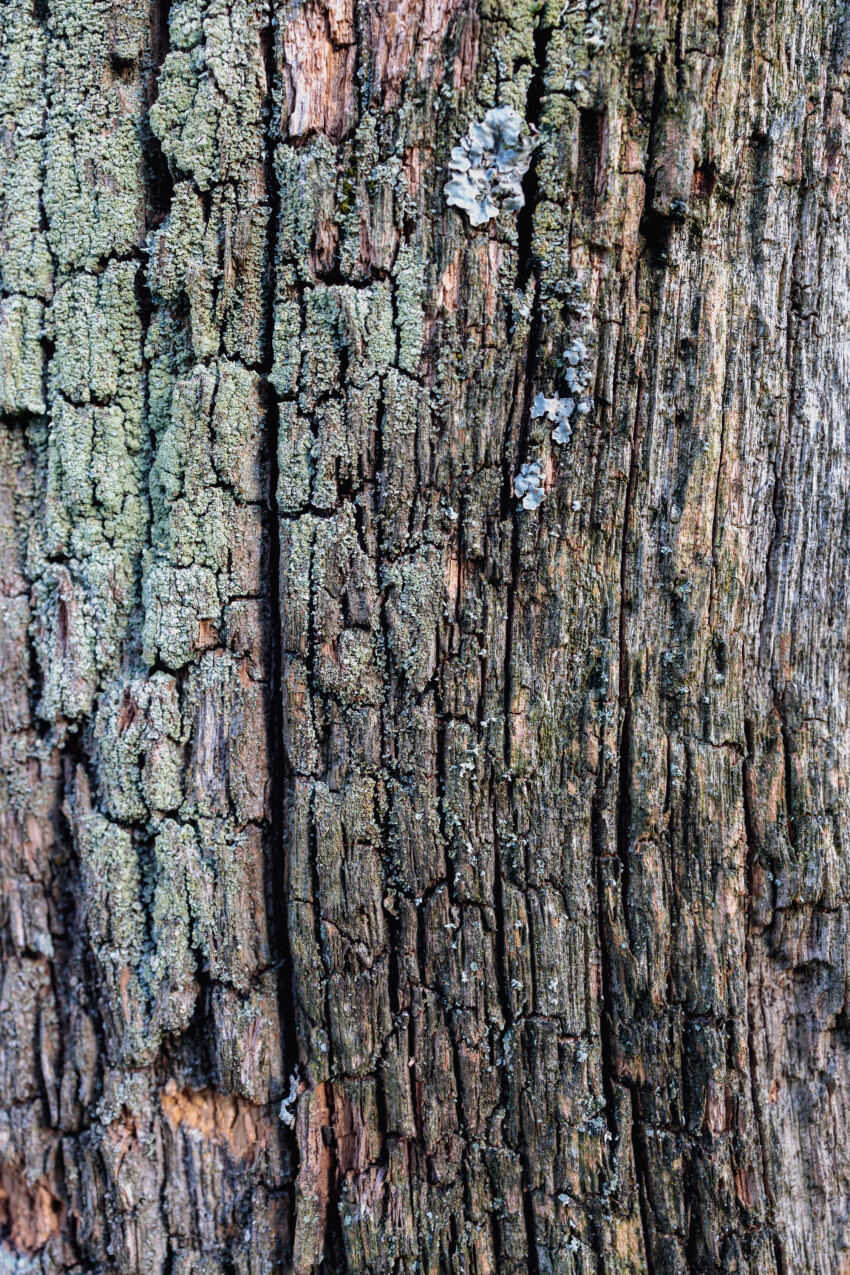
{"type": "Point", "coordinates": [402, 872]}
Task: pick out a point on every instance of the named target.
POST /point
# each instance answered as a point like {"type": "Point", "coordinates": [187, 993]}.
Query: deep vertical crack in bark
{"type": "Point", "coordinates": [277, 849]}
{"type": "Point", "coordinates": [623, 827]}
{"type": "Point", "coordinates": [514, 456]}
{"type": "Point", "coordinates": [752, 1054]}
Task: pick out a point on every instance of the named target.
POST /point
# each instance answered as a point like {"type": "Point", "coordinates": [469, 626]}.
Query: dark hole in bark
{"type": "Point", "coordinates": [124, 69]}
{"type": "Point", "coordinates": [703, 181]}
{"type": "Point", "coordinates": [160, 37]}
{"type": "Point", "coordinates": [62, 623]}
{"type": "Point", "coordinates": [591, 142]}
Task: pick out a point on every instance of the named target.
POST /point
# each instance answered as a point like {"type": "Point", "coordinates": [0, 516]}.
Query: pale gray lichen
{"type": "Point", "coordinates": [140, 745]}
{"type": "Point", "coordinates": [577, 373]}
{"type": "Point", "coordinates": [528, 484]}
{"type": "Point", "coordinates": [287, 1107]}
{"type": "Point", "coordinates": [208, 112]}
{"type": "Point", "coordinates": [487, 167]}
{"type": "Point", "coordinates": [93, 195]}
{"type": "Point", "coordinates": [559, 411]}
{"type": "Point", "coordinates": [21, 355]}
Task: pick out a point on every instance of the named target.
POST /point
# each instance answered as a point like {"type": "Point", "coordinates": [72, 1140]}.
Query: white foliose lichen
{"type": "Point", "coordinates": [576, 372]}
{"type": "Point", "coordinates": [288, 1106]}
{"type": "Point", "coordinates": [528, 484]}
{"type": "Point", "coordinates": [487, 167]}
{"type": "Point", "coordinates": [559, 410]}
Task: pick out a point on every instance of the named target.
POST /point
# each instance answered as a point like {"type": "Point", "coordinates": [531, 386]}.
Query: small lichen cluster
{"type": "Point", "coordinates": [577, 371]}
{"type": "Point", "coordinates": [528, 484]}
{"type": "Point", "coordinates": [487, 167]}
{"type": "Point", "coordinates": [579, 41]}
{"type": "Point", "coordinates": [595, 30]}
{"type": "Point", "coordinates": [205, 487]}
{"type": "Point", "coordinates": [559, 411]}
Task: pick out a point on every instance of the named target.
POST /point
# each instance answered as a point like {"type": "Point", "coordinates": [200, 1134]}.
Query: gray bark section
{"type": "Point", "coordinates": [395, 878]}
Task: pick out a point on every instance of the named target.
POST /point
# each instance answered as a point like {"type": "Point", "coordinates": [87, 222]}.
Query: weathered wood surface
{"type": "Point", "coordinates": [395, 878]}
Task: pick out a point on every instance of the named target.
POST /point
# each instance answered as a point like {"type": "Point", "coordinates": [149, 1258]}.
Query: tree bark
{"type": "Point", "coordinates": [399, 872]}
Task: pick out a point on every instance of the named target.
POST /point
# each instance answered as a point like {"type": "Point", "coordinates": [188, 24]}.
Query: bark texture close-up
{"type": "Point", "coordinates": [424, 652]}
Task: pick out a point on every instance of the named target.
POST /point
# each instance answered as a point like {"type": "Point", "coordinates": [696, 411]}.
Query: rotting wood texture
{"type": "Point", "coordinates": [399, 875]}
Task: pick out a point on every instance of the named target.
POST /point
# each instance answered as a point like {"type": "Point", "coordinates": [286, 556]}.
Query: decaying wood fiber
{"type": "Point", "coordinates": [394, 877]}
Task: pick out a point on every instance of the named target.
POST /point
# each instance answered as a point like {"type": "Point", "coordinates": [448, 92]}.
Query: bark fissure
{"type": "Point", "coordinates": [752, 856]}
{"type": "Point", "coordinates": [278, 772]}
